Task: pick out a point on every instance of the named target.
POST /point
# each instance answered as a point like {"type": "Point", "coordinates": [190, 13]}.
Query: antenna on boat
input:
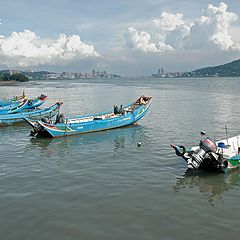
{"type": "Point", "coordinates": [226, 134]}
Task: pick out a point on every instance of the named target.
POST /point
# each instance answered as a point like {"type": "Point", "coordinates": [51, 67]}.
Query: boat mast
{"type": "Point", "coordinates": [226, 134]}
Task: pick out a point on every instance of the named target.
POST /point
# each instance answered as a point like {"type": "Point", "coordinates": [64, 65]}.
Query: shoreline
{"type": "Point", "coordinates": [9, 83]}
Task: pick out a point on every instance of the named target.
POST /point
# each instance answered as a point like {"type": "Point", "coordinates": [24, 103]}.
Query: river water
{"type": "Point", "coordinates": [102, 185]}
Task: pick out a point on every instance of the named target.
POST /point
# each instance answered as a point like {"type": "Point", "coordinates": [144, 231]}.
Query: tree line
{"type": "Point", "coordinates": [13, 77]}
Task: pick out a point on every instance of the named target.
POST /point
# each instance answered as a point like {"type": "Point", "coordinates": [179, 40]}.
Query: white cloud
{"type": "Point", "coordinates": [27, 49]}
{"type": "Point", "coordinates": [209, 32]}
{"type": "Point", "coordinates": [141, 41]}
{"type": "Point", "coordinates": [212, 29]}
{"type": "Point", "coordinates": [178, 37]}
{"type": "Point", "coordinates": [156, 40]}
{"type": "Point", "coordinates": [168, 21]}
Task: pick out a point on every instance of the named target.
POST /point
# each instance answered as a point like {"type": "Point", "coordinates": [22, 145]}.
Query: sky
{"type": "Point", "coordinates": [126, 37]}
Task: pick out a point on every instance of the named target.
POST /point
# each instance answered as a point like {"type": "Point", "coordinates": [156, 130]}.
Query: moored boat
{"type": "Point", "coordinates": [36, 102]}
{"type": "Point", "coordinates": [6, 101]}
{"type": "Point", "coordinates": [22, 104]}
{"type": "Point", "coordinates": [119, 117]}
{"type": "Point", "coordinates": [14, 108]}
{"type": "Point", "coordinates": [34, 114]}
{"type": "Point", "coordinates": [220, 156]}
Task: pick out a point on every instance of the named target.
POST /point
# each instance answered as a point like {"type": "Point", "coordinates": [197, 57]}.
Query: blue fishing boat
{"type": "Point", "coordinates": [32, 102]}
{"type": "Point", "coordinates": [9, 101]}
{"type": "Point", "coordinates": [11, 104]}
{"type": "Point", "coordinates": [119, 117]}
{"type": "Point", "coordinates": [36, 102]}
{"type": "Point", "coordinates": [14, 107]}
{"type": "Point", "coordinates": [34, 114]}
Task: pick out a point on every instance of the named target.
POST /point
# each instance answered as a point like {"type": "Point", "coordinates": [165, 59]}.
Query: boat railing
{"type": "Point", "coordinates": [91, 118]}
{"type": "Point", "coordinates": [79, 120]}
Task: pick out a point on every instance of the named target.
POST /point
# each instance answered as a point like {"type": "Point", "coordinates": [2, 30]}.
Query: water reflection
{"type": "Point", "coordinates": [49, 147]}
{"type": "Point", "coordinates": [119, 142]}
{"type": "Point", "coordinates": [212, 184]}
{"type": "Point", "coordinates": [114, 140]}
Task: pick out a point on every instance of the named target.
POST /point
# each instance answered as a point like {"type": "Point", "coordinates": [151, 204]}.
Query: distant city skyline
{"type": "Point", "coordinates": [124, 37]}
{"type": "Point", "coordinates": [31, 74]}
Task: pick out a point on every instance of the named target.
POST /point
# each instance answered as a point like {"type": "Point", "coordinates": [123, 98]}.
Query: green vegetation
{"type": "Point", "coordinates": [13, 77]}
{"type": "Point", "coordinates": [231, 69]}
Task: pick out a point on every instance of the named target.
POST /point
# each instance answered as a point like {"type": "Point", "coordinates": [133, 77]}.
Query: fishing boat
{"type": "Point", "coordinates": [9, 103]}
{"type": "Point", "coordinates": [34, 114]}
{"type": "Point", "coordinates": [32, 103]}
{"type": "Point", "coordinates": [14, 107]}
{"type": "Point", "coordinates": [220, 156]}
{"type": "Point", "coordinates": [6, 101]}
{"type": "Point", "coordinates": [119, 117]}
{"type": "Point", "coordinates": [36, 102]}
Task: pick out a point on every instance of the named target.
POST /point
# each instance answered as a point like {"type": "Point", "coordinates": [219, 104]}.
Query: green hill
{"type": "Point", "coordinates": [231, 69]}
{"type": "Point", "coordinates": [19, 77]}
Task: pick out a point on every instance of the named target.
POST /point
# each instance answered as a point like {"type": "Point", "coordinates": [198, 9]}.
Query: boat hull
{"type": "Point", "coordinates": [8, 119]}
{"type": "Point", "coordinates": [22, 104]}
{"type": "Point", "coordinates": [81, 125]}
{"type": "Point", "coordinates": [14, 108]}
{"type": "Point", "coordinates": [7, 102]}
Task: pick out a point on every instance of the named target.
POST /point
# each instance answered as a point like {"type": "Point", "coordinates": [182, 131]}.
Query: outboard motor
{"type": "Point", "coordinates": [205, 156]}
{"type": "Point", "coordinates": [207, 149]}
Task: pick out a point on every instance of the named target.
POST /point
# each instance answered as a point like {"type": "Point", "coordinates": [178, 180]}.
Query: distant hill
{"type": "Point", "coordinates": [19, 77]}
{"type": "Point", "coordinates": [28, 74]}
{"type": "Point", "coordinates": [37, 74]}
{"type": "Point", "coordinates": [231, 69]}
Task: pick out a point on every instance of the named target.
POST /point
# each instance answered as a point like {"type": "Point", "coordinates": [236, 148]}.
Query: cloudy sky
{"type": "Point", "coordinates": [128, 37]}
